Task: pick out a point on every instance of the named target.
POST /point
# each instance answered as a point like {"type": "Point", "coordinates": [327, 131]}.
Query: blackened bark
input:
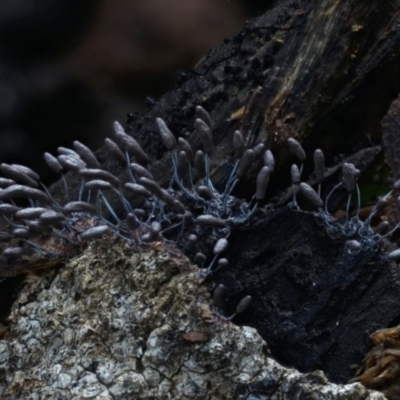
{"type": "Point", "coordinates": [324, 72]}
{"type": "Point", "coordinates": [314, 302]}
{"type": "Point", "coordinates": [391, 138]}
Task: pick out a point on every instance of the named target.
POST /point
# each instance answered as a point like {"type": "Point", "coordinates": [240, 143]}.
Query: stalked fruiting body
{"type": "Point", "coordinates": [188, 208]}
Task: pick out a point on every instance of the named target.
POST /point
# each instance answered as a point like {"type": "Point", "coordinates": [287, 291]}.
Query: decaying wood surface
{"type": "Point", "coordinates": [116, 323]}
{"type": "Point", "coordinates": [314, 302]}
{"type": "Point", "coordinates": [324, 72]}
{"type": "Point", "coordinates": [391, 137]}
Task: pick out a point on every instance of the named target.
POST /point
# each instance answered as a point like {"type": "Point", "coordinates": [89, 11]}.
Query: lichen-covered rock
{"type": "Point", "coordinates": [123, 323]}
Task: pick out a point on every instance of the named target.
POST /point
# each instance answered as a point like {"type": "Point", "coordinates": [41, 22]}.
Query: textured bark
{"type": "Point", "coordinates": [314, 302]}
{"type": "Point", "coordinates": [324, 72]}
{"type": "Point", "coordinates": [120, 324]}
{"type": "Point", "coordinates": [391, 138]}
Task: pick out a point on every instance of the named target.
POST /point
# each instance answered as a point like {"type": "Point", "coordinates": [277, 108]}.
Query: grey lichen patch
{"type": "Point", "coordinates": [119, 323]}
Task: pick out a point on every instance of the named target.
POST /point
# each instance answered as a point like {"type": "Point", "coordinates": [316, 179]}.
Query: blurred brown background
{"type": "Point", "coordinates": [68, 68]}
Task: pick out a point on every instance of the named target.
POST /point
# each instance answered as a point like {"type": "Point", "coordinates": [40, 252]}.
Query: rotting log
{"type": "Point", "coordinates": [314, 302]}
{"type": "Point", "coordinates": [324, 72]}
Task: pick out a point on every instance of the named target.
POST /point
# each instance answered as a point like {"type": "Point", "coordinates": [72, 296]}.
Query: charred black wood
{"type": "Point", "coordinates": [314, 301]}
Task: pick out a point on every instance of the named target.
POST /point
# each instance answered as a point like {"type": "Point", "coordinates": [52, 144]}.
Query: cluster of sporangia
{"type": "Point", "coordinates": [191, 200]}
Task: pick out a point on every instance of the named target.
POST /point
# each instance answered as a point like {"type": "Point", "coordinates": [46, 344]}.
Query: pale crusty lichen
{"type": "Point", "coordinates": [119, 323]}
